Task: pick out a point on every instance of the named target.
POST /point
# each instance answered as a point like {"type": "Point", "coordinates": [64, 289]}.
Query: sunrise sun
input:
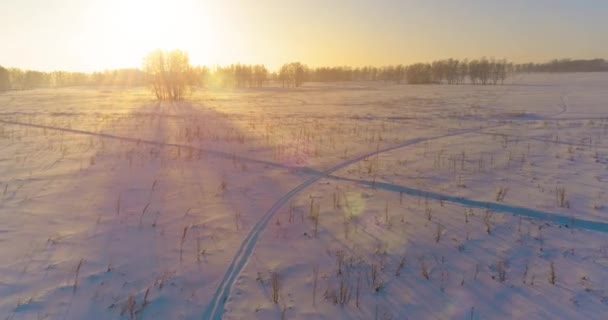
{"type": "Point", "coordinates": [129, 29]}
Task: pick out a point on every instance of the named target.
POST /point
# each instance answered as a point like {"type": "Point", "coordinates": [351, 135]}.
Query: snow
{"type": "Point", "coordinates": [363, 200]}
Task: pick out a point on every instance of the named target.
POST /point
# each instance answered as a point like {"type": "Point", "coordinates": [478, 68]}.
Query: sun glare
{"type": "Point", "coordinates": [130, 29]}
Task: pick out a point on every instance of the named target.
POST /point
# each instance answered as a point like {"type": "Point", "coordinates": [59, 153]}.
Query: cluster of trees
{"type": "Point", "coordinates": [17, 79]}
{"type": "Point", "coordinates": [392, 73]}
{"type": "Point", "coordinates": [483, 71]}
{"type": "Point", "coordinates": [121, 77]}
{"type": "Point", "coordinates": [346, 73]}
{"type": "Point", "coordinates": [169, 74]}
{"type": "Point", "coordinates": [238, 75]}
{"type": "Point", "coordinates": [28, 79]}
{"type": "Point", "coordinates": [343, 73]}
{"type": "Point", "coordinates": [450, 71]}
{"type": "Point", "coordinates": [332, 74]}
{"type": "Point", "coordinates": [489, 71]}
{"type": "Point", "coordinates": [293, 74]}
{"type": "Point", "coordinates": [565, 65]}
{"type": "Point", "coordinates": [419, 73]}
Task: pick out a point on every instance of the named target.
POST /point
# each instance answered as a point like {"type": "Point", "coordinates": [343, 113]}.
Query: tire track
{"type": "Point", "coordinates": [557, 218]}
{"type": "Point", "coordinates": [215, 309]}
{"type": "Point", "coordinates": [216, 153]}
{"type": "Point", "coordinates": [546, 140]}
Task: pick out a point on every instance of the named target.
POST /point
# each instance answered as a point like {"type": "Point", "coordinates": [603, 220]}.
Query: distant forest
{"type": "Point", "coordinates": [450, 71]}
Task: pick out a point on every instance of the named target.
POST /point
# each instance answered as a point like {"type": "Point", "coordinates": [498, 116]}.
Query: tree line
{"type": "Point", "coordinates": [17, 79]}
{"type": "Point", "coordinates": [171, 76]}
{"type": "Point", "coordinates": [565, 65]}
{"type": "Point", "coordinates": [237, 75]}
{"type": "Point", "coordinates": [450, 71]}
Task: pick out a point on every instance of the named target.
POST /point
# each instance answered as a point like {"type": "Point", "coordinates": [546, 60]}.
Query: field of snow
{"type": "Point", "coordinates": [360, 200]}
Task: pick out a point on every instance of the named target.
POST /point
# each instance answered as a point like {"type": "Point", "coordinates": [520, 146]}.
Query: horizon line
{"type": "Point", "coordinates": [215, 66]}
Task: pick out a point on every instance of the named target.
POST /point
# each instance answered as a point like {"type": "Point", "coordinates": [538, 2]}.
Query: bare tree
{"type": "Point", "coordinates": [260, 73]}
{"type": "Point", "coordinates": [169, 73]}
{"type": "Point", "coordinates": [293, 74]}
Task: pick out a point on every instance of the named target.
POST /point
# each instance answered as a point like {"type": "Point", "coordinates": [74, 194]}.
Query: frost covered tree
{"type": "Point", "coordinates": [169, 74]}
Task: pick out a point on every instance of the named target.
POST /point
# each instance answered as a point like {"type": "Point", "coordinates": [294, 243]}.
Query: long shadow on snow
{"type": "Point", "coordinates": [137, 249]}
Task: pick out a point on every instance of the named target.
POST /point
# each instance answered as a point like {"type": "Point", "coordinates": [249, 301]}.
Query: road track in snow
{"type": "Point", "coordinates": [215, 308]}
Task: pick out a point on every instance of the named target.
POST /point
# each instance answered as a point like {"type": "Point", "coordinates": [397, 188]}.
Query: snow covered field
{"type": "Point", "coordinates": [359, 200]}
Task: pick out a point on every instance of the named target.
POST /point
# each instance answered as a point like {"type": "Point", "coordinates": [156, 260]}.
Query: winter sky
{"type": "Point", "coordinates": [79, 35]}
